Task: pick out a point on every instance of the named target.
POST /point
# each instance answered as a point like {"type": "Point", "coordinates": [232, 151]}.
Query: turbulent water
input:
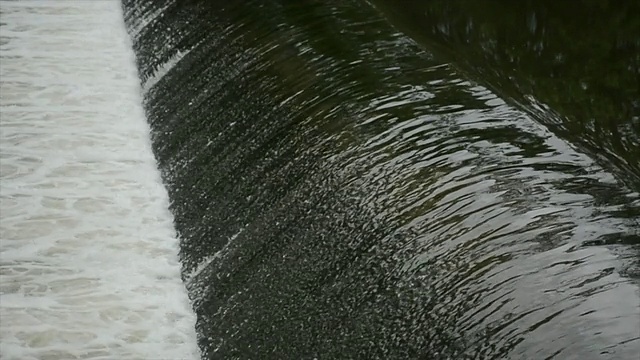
{"type": "Point", "coordinates": [88, 254]}
{"type": "Point", "coordinates": [344, 190]}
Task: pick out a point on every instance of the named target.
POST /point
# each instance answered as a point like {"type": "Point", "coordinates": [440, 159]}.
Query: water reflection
{"type": "Point", "coordinates": [342, 193]}
{"type": "Point", "coordinates": [573, 66]}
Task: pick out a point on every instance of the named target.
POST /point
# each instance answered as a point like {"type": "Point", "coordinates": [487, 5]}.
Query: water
{"type": "Point", "coordinates": [533, 55]}
{"type": "Point", "coordinates": [88, 256]}
{"type": "Point", "coordinates": [341, 191]}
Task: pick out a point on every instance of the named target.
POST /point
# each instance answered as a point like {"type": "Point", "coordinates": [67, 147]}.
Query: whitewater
{"type": "Point", "coordinates": [88, 253]}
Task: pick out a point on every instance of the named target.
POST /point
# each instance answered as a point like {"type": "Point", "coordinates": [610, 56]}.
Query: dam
{"type": "Point", "coordinates": [304, 179]}
{"type": "Point", "coordinates": [346, 185]}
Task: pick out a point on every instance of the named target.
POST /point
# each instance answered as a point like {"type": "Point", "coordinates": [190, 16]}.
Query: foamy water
{"type": "Point", "coordinates": [88, 253]}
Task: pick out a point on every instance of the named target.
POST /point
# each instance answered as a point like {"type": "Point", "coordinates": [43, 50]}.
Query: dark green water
{"type": "Point", "coordinates": [574, 66]}
{"type": "Point", "coordinates": [350, 183]}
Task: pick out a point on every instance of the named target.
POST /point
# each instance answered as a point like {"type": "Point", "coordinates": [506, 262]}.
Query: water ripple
{"type": "Point", "coordinates": [341, 192]}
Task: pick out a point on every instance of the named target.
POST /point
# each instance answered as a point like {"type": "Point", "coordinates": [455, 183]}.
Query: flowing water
{"type": "Point", "coordinates": [88, 253]}
{"type": "Point", "coordinates": [342, 190]}
{"type": "Point", "coordinates": [345, 181]}
{"type": "Point", "coordinates": [574, 69]}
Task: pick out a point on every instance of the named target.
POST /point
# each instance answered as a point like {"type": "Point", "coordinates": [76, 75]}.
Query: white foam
{"type": "Point", "coordinates": [88, 253]}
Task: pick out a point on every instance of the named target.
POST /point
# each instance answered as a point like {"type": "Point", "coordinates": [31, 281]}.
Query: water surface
{"type": "Point", "coordinates": [343, 192]}
{"type": "Point", "coordinates": [88, 254]}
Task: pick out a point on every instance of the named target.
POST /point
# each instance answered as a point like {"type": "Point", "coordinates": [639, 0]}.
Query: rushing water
{"type": "Point", "coordinates": [574, 69]}
{"type": "Point", "coordinates": [342, 192]}
{"type": "Point", "coordinates": [88, 254]}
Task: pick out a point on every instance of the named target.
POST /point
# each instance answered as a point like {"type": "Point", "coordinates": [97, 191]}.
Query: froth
{"type": "Point", "coordinates": [88, 256]}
